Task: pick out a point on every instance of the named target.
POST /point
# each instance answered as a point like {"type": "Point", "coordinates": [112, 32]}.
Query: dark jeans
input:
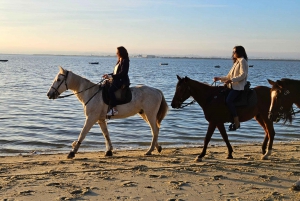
{"type": "Point", "coordinates": [233, 94]}
{"type": "Point", "coordinates": [111, 92]}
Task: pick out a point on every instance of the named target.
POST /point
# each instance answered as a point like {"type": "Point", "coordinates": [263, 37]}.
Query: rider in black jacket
{"type": "Point", "coordinates": [118, 78]}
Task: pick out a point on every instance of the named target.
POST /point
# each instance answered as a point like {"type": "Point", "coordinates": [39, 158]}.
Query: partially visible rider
{"type": "Point", "coordinates": [118, 78]}
{"type": "Point", "coordinates": [236, 80]}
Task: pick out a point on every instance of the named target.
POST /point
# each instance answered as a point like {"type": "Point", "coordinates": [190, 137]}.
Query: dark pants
{"type": "Point", "coordinates": [233, 94]}
{"type": "Point", "coordinates": [114, 86]}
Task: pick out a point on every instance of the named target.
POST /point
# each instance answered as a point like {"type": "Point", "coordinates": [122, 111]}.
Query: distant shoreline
{"type": "Point", "coordinates": [157, 57]}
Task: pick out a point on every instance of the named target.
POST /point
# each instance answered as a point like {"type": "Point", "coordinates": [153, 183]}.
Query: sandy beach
{"type": "Point", "coordinates": [171, 175]}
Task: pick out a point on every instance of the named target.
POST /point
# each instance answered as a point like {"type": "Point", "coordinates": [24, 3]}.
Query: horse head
{"type": "Point", "coordinates": [182, 92]}
{"type": "Point", "coordinates": [281, 103]}
{"type": "Point", "coordinates": [59, 85]}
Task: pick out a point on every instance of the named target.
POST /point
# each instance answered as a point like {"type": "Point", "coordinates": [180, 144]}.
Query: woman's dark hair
{"type": "Point", "coordinates": [241, 52]}
{"type": "Point", "coordinates": [123, 52]}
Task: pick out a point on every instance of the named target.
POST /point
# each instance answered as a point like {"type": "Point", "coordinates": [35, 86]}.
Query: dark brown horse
{"type": "Point", "coordinates": [284, 93]}
{"type": "Point", "coordinates": [217, 113]}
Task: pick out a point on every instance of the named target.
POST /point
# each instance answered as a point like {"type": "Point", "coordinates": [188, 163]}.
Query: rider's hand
{"type": "Point", "coordinates": [105, 76]}
{"type": "Point", "coordinates": [228, 81]}
{"type": "Point", "coordinates": [217, 79]}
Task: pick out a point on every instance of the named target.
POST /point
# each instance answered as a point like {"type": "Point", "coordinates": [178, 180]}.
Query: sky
{"type": "Point", "coordinates": [206, 28]}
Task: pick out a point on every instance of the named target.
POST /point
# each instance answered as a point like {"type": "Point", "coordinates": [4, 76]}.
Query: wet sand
{"type": "Point", "coordinates": [171, 175]}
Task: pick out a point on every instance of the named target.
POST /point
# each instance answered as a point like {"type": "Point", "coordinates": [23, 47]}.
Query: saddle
{"type": "Point", "coordinates": [123, 95]}
{"type": "Point", "coordinates": [247, 98]}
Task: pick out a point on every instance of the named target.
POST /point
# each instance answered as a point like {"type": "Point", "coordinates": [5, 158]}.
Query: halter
{"type": "Point", "coordinates": [64, 80]}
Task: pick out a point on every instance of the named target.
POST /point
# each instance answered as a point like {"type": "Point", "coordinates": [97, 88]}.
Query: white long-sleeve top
{"type": "Point", "coordinates": [238, 74]}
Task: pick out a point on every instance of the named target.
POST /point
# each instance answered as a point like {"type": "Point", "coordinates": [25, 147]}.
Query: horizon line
{"type": "Point", "coordinates": [155, 56]}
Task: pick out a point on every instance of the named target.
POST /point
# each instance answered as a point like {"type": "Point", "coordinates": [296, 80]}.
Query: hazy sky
{"type": "Point", "coordinates": [266, 28]}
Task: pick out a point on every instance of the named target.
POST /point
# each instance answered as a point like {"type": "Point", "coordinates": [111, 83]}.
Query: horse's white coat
{"type": "Point", "coordinates": [147, 100]}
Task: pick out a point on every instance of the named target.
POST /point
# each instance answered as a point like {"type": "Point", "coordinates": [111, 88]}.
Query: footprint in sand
{"type": "Point", "coordinates": [28, 192]}
{"type": "Point", "coordinates": [128, 184]}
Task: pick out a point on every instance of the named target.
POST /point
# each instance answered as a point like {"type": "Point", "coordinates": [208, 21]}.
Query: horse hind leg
{"type": "Point", "coordinates": [151, 120]}
{"type": "Point", "coordinates": [109, 147]}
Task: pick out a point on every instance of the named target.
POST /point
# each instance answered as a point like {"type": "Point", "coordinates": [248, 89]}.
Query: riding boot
{"type": "Point", "coordinates": [236, 122]}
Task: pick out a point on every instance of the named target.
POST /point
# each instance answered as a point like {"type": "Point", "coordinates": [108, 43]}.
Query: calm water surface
{"type": "Point", "coordinates": [30, 122]}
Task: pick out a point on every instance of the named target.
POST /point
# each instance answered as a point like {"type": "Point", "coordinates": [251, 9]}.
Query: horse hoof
{"type": "Point", "coordinates": [264, 158]}
{"type": "Point", "coordinates": [108, 153]}
{"type": "Point", "coordinates": [229, 157]}
{"type": "Point", "coordinates": [148, 154]}
{"type": "Point", "coordinates": [198, 159]}
{"type": "Point", "coordinates": [71, 155]}
{"type": "Point", "coordinates": [159, 149]}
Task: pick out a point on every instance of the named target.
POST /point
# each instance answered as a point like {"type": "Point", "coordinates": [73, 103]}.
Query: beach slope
{"type": "Point", "coordinates": [171, 175]}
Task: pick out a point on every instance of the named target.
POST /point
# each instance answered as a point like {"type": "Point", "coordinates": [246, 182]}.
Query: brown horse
{"type": "Point", "coordinates": [284, 93]}
{"type": "Point", "coordinates": [217, 113]}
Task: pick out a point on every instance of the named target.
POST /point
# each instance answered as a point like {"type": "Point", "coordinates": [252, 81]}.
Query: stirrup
{"type": "Point", "coordinates": [232, 127]}
{"type": "Point", "coordinates": [112, 112]}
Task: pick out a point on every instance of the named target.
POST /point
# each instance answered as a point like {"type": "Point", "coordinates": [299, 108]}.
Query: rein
{"type": "Point", "coordinates": [82, 90]}
{"type": "Point", "coordinates": [193, 101]}
{"type": "Point", "coordinates": [65, 80]}
{"type": "Point", "coordinates": [187, 104]}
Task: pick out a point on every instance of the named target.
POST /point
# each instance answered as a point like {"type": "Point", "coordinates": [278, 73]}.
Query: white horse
{"type": "Point", "coordinates": [148, 102]}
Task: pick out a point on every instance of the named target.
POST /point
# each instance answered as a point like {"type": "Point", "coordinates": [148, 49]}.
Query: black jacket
{"type": "Point", "coordinates": [121, 77]}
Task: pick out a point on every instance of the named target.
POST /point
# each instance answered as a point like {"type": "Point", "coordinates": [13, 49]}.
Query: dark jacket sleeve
{"type": "Point", "coordinates": [124, 66]}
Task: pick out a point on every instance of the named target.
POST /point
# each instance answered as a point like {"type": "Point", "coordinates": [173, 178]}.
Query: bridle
{"type": "Point", "coordinates": [63, 81]}
{"type": "Point", "coordinates": [193, 101]}
{"type": "Point", "coordinates": [181, 99]}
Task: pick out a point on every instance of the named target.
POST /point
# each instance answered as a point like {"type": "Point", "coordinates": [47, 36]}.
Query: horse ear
{"type": "Point", "coordinates": [280, 83]}
{"type": "Point", "coordinates": [61, 70]}
{"type": "Point", "coordinates": [271, 82]}
{"type": "Point", "coordinates": [186, 78]}
{"type": "Point", "coordinates": [179, 78]}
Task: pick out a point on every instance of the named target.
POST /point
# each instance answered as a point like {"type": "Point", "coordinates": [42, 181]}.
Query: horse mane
{"type": "Point", "coordinates": [290, 82]}
{"type": "Point", "coordinates": [82, 78]}
{"type": "Point", "coordinates": [85, 79]}
{"type": "Point", "coordinates": [287, 117]}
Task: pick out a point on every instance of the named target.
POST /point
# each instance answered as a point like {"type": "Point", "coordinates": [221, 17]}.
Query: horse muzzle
{"type": "Point", "coordinates": [52, 95]}
{"type": "Point", "coordinates": [175, 104]}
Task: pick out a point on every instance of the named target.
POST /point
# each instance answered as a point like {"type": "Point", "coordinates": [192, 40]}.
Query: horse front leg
{"type": "Point", "coordinates": [210, 130]}
{"type": "Point", "coordinates": [89, 122]}
{"type": "Point", "coordinates": [109, 147]}
{"type": "Point", "coordinates": [224, 135]}
{"type": "Point", "coordinates": [261, 122]}
{"type": "Point", "coordinates": [271, 134]}
{"type": "Point", "coordinates": [265, 143]}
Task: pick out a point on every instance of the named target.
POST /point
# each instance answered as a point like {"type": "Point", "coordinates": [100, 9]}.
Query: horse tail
{"type": "Point", "coordinates": [163, 109]}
